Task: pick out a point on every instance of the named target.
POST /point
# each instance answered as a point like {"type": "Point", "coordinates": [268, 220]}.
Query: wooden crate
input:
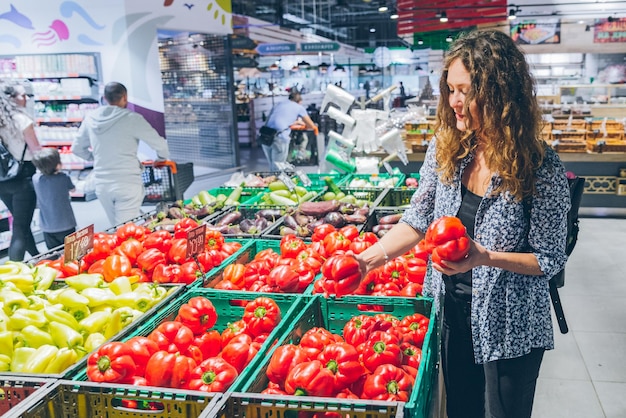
{"type": "Point", "coordinates": [611, 125]}
{"type": "Point", "coordinates": [609, 136]}
{"type": "Point", "coordinates": [567, 125]}
{"type": "Point", "coordinates": [604, 145]}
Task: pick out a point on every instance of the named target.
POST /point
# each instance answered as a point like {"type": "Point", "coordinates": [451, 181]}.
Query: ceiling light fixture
{"type": "Point", "coordinates": [512, 15]}
{"type": "Point", "coordinates": [372, 29]}
{"type": "Point", "coordinates": [449, 38]}
{"type": "Point", "coordinates": [587, 28]}
{"type": "Point", "coordinates": [420, 42]}
{"type": "Point", "coordinates": [394, 16]}
{"type": "Point", "coordinates": [383, 8]}
{"type": "Point", "coordinates": [443, 18]}
{"type": "Point", "coordinates": [303, 64]}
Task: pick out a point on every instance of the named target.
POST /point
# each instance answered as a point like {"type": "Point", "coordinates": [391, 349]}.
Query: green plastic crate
{"type": "Point", "coordinates": [71, 399]}
{"type": "Point", "coordinates": [16, 392]}
{"type": "Point", "coordinates": [374, 179]}
{"type": "Point", "coordinates": [317, 180]}
{"type": "Point", "coordinates": [246, 254]}
{"type": "Point", "coordinates": [333, 313]}
{"type": "Point", "coordinates": [229, 310]}
{"type": "Point", "coordinates": [397, 197]}
{"type": "Point", "coordinates": [247, 193]}
{"type": "Point", "coordinates": [240, 405]}
{"type": "Point", "coordinates": [375, 216]}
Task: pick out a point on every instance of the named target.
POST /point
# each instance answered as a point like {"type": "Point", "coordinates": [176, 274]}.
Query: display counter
{"type": "Point", "coordinates": [605, 174]}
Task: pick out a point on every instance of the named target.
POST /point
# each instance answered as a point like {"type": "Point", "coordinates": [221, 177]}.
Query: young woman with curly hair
{"type": "Point", "coordinates": [488, 166]}
{"type": "Point", "coordinates": [18, 134]}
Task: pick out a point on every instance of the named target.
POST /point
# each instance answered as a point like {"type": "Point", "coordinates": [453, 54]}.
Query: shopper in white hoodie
{"type": "Point", "coordinates": [110, 137]}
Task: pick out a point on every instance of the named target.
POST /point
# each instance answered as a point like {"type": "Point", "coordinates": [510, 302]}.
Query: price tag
{"type": "Point", "coordinates": [78, 244]}
{"type": "Point", "coordinates": [287, 180]}
{"type": "Point", "coordinates": [388, 168]}
{"type": "Point", "coordinates": [195, 241]}
{"type": "Point", "coordinates": [306, 181]}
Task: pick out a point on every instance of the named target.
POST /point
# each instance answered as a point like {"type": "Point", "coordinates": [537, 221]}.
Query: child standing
{"type": "Point", "coordinates": [53, 189]}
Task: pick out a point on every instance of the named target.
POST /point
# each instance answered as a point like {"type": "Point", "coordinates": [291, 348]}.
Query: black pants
{"type": "Point", "coordinates": [498, 389]}
{"type": "Point", "coordinates": [54, 239]}
{"type": "Point", "coordinates": [19, 197]}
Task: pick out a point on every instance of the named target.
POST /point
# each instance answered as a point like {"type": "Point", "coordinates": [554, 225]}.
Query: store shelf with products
{"type": "Point", "coordinates": [64, 88]}
{"type": "Point", "coordinates": [586, 100]}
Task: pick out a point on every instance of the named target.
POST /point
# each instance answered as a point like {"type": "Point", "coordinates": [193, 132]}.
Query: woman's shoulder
{"type": "Point", "coordinates": [22, 120]}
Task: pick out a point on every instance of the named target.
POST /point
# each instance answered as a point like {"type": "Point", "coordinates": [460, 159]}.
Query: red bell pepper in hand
{"type": "Point", "coordinates": [112, 362]}
{"type": "Point", "coordinates": [413, 329]}
{"type": "Point", "coordinates": [388, 383]}
{"type": "Point", "coordinates": [381, 348]}
{"type": "Point", "coordinates": [172, 336]}
{"type": "Point", "coordinates": [239, 351]}
{"type": "Point", "coordinates": [261, 316]}
{"type": "Point", "coordinates": [171, 370]}
{"type": "Point", "coordinates": [283, 360]}
{"type": "Point", "coordinates": [342, 275]}
{"type": "Point", "coordinates": [212, 375]}
{"type": "Point", "coordinates": [310, 378]}
{"type": "Point", "coordinates": [198, 314]}
{"type": "Point", "coordinates": [447, 239]}
{"type": "Point", "coordinates": [358, 329]}
{"type": "Point", "coordinates": [343, 360]}
{"type": "Point", "coordinates": [142, 349]}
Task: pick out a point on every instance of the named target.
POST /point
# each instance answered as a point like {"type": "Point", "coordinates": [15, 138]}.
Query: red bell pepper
{"type": "Point", "coordinates": [261, 315]}
{"type": "Point", "coordinates": [394, 271]}
{"type": "Point", "coordinates": [311, 258]}
{"type": "Point", "coordinates": [189, 272]}
{"type": "Point", "coordinates": [343, 360]}
{"type": "Point", "coordinates": [232, 330]}
{"type": "Point", "coordinates": [239, 351]}
{"type": "Point", "coordinates": [213, 240]}
{"type": "Point", "coordinates": [212, 375]}
{"type": "Point", "coordinates": [381, 348]}
{"type": "Point", "coordinates": [357, 330]}
{"type": "Point", "coordinates": [131, 248]}
{"type": "Point", "coordinates": [413, 329]}
{"type": "Point", "coordinates": [291, 245]}
{"type": "Point", "coordinates": [115, 266]}
{"type": "Point", "coordinates": [388, 383]}
{"type": "Point", "coordinates": [320, 232]}
{"type": "Point", "coordinates": [336, 241]}
{"type": "Point", "coordinates": [411, 355]}
{"type": "Point", "coordinates": [209, 343]}
{"type": "Point", "coordinates": [149, 259]}
{"type": "Point", "coordinates": [198, 314]}
{"type": "Point", "coordinates": [229, 248]}
{"type": "Point", "coordinates": [183, 226]}
{"type": "Point", "coordinates": [112, 362]}
{"type": "Point", "coordinates": [142, 349]}
{"type": "Point", "coordinates": [166, 273]}
{"type": "Point", "coordinates": [416, 270]}
{"type": "Point", "coordinates": [172, 336]}
{"type": "Point", "coordinates": [234, 273]}
{"type": "Point", "coordinates": [171, 370]}
{"type": "Point", "coordinates": [315, 339]}
{"type": "Point", "coordinates": [310, 378]}
{"type": "Point", "coordinates": [350, 231]}
{"type": "Point", "coordinates": [411, 290]}
{"type": "Point", "coordinates": [131, 230]}
{"type": "Point", "coordinates": [103, 246]}
{"type": "Point", "coordinates": [178, 251]}
{"type": "Point", "coordinates": [284, 278]}
{"type": "Point", "coordinates": [209, 259]}
{"type": "Point", "coordinates": [283, 360]}
{"type": "Point", "coordinates": [161, 240]}
{"type": "Point", "coordinates": [447, 239]}
{"type": "Point", "coordinates": [342, 274]}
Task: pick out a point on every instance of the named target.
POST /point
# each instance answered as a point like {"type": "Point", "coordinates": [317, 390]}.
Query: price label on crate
{"type": "Point", "coordinates": [306, 181]}
{"type": "Point", "coordinates": [195, 241]}
{"type": "Point", "coordinates": [287, 180]}
{"type": "Point", "coordinates": [78, 244]}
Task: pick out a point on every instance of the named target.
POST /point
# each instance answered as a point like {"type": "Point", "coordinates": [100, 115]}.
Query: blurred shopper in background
{"type": "Point", "coordinates": [17, 133]}
{"type": "Point", "coordinates": [53, 189]}
{"type": "Point", "coordinates": [110, 137]}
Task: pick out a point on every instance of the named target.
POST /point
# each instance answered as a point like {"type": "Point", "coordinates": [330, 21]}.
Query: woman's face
{"type": "Point", "coordinates": [459, 84]}
{"type": "Point", "coordinates": [19, 97]}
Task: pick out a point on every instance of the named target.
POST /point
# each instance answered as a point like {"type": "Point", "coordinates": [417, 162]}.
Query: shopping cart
{"type": "Point", "coordinates": [166, 181]}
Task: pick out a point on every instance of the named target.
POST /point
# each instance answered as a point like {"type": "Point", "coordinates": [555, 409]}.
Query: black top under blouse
{"type": "Point", "coordinates": [460, 285]}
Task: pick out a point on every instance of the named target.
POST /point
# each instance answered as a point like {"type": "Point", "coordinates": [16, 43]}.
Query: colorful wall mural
{"type": "Point", "coordinates": [124, 32]}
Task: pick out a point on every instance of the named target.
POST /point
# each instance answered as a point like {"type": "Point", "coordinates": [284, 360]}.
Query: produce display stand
{"type": "Point", "coordinates": [396, 197]}
{"type": "Point", "coordinates": [332, 314]}
{"type": "Point", "coordinates": [166, 181]}
{"type": "Point", "coordinates": [247, 212]}
{"type": "Point", "coordinates": [71, 399]}
{"type": "Point", "coordinates": [240, 405]}
{"type": "Point", "coordinates": [374, 179]}
{"type": "Point", "coordinates": [16, 392]}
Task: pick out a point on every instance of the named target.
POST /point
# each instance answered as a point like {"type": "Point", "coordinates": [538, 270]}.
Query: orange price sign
{"type": "Point", "coordinates": [78, 244]}
{"type": "Point", "coordinates": [195, 241]}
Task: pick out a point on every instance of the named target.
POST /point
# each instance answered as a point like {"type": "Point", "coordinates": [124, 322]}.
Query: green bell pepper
{"type": "Point", "coordinates": [31, 336]}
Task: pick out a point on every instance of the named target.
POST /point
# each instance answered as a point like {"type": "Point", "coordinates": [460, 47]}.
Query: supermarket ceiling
{"type": "Point", "coordinates": [372, 23]}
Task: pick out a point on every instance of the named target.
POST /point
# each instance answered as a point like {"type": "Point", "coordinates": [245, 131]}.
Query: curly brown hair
{"type": "Point", "coordinates": [8, 109]}
{"type": "Point", "coordinates": [510, 117]}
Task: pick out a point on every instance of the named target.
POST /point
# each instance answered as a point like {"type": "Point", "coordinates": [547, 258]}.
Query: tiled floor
{"type": "Point", "coordinates": [585, 376]}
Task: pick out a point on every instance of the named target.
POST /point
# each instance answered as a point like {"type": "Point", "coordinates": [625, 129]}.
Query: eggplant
{"type": "Point", "coordinates": [355, 219]}
{"type": "Point", "coordinates": [319, 209]}
{"type": "Point", "coordinates": [231, 218]}
{"type": "Point", "coordinates": [390, 219]}
{"type": "Point", "coordinates": [335, 219]}
{"type": "Point", "coordinates": [248, 226]}
{"type": "Point", "coordinates": [175, 213]}
{"type": "Point", "coordinates": [270, 214]}
{"type": "Point", "coordinates": [261, 223]}
{"type": "Point", "coordinates": [284, 230]}
{"type": "Point", "coordinates": [311, 227]}
{"type": "Point", "coordinates": [290, 222]}
{"type": "Point", "coordinates": [302, 219]}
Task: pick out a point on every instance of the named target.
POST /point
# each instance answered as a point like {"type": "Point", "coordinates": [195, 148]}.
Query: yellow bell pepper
{"type": "Point", "coordinates": [85, 281]}
{"type": "Point", "coordinates": [36, 303]}
{"type": "Point", "coordinates": [5, 363]}
{"type": "Point", "coordinates": [98, 297]}
{"type": "Point", "coordinates": [9, 268]}
{"type": "Point", "coordinates": [13, 300]}
{"type": "Point", "coordinates": [120, 318]}
{"type": "Point", "coordinates": [121, 285]}
{"type": "Point", "coordinates": [70, 298]}
{"type": "Point", "coordinates": [65, 358]}
{"type": "Point", "coordinates": [53, 313]}
{"type": "Point", "coordinates": [38, 362]}
{"type": "Point", "coordinates": [79, 312]}
{"type": "Point", "coordinates": [23, 281]}
{"type": "Point", "coordinates": [20, 358]}
{"type": "Point", "coordinates": [65, 336]}
{"type": "Point", "coordinates": [94, 341]}
{"type": "Point", "coordinates": [6, 343]}
{"type": "Point", "coordinates": [94, 322]}
{"type": "Point", "coordinates": [31, 336]}
{"type": "Point", "coordinates": [24, 317]}
{"type": "Point", "coordinates": [44, 277]}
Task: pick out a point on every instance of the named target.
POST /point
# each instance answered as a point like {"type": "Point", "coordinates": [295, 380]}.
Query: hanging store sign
{"type": "Point", "coordinates": [274, 49]}
{"type": "Point", "coordinates": [242, 42]}
{"type": "Point", "coordinates": [244, 62]}
{"type": "Point", "coordinates": [608, 32]}
{"type": "Point", "coordinates": [537, 31]}
{"type": "Point", "coordinates": [319, 46]}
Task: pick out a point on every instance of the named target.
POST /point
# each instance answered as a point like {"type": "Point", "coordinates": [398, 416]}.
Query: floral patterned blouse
{"type": "Point", "coordinates": [510, 312]}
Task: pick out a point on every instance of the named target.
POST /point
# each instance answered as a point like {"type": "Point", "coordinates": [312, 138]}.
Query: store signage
{"type": "Point", "coordinates": [242, 42]}
{"type": "Point", "coordinates": [244, 62]}
{"type": "Point", "coordinates": [319, 46]}
{"type": "Point", "coordinates": [77, 244]}
{"type": "Point", "coordinates": [273, 49]}
{"type": "Point", "coordinates": [608, 32]}
{"type": "Point", "coordinates": [195, 241]}
{"type": "Point", "coordinates": [537, 31]}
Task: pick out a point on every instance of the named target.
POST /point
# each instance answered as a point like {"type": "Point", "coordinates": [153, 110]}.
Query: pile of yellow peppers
{"type": "Point", "coordinates": [47, 325]}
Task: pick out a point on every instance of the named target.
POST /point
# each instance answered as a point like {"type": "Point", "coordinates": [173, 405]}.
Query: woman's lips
{"type": "Point", "coordinates": [459, 116]}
